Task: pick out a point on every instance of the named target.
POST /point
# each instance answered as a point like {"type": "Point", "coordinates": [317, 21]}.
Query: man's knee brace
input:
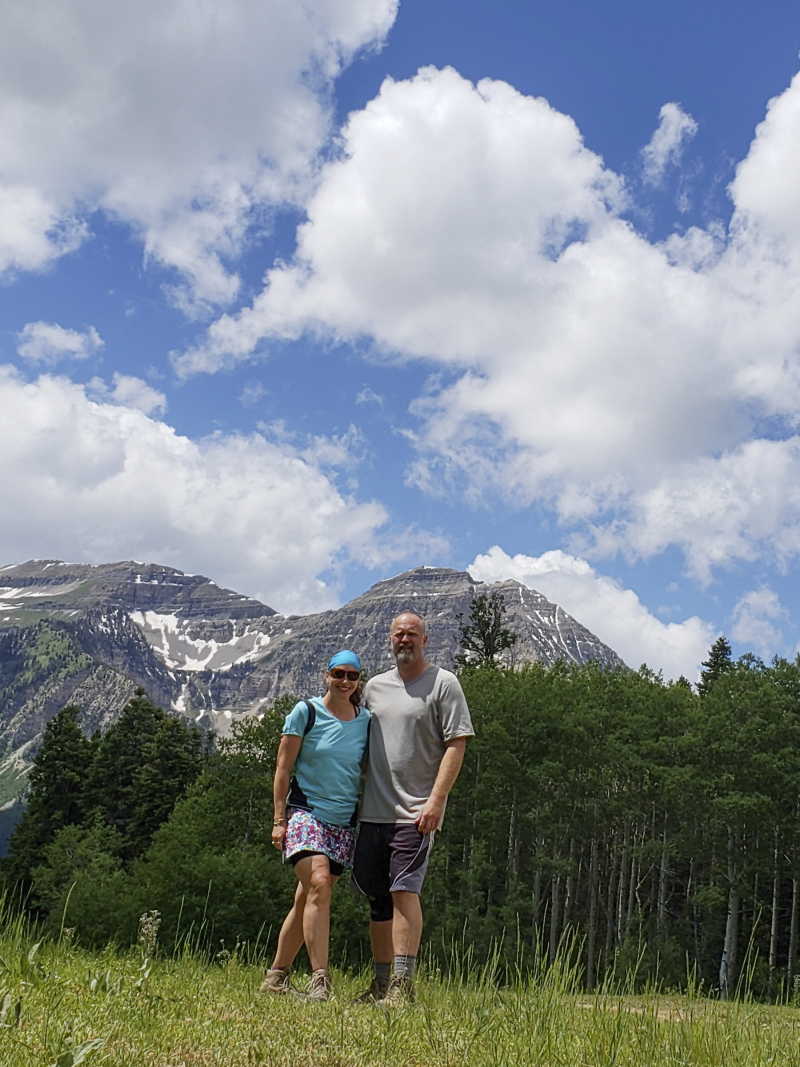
{"type": "Point", "coordinates": [381, 909]}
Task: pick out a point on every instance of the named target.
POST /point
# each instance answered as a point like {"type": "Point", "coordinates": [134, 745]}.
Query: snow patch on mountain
{"type": "Point", "coordinates": [28, 591]}
{"type": "Point", "coordinates": [171, 638]}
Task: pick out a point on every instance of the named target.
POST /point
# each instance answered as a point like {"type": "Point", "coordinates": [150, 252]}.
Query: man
{"type": "Point", "coordinates": [419, 729]}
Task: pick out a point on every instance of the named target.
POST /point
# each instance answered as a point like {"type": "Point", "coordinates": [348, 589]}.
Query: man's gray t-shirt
{"type": "Point", "coordinates": [409, 727]}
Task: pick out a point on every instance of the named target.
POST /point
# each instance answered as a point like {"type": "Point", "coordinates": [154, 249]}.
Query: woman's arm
{"type": "Point", "coordinates": [288, 751]}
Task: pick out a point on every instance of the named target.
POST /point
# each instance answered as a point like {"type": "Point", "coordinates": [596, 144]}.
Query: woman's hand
{"type": "Point", "coordinates": [288, 751]}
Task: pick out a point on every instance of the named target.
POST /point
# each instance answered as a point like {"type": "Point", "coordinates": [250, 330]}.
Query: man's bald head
{"type": "Point", "coordinates": [409, 636]}
{"type": "Point", "coordinates": [412, 615]}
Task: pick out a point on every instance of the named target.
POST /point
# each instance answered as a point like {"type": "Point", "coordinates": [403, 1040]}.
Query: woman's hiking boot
{"type": "Point", "coordinates": [320, 985]}
{"type": "Point", "coordinates": [277, 981]}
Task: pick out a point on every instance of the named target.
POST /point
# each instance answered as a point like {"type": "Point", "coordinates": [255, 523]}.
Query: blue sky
{"type": "Point", "coordinates": [301, 295]}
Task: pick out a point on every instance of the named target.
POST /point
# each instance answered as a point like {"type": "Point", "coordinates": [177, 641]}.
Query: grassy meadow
{"type": "Point", "coordinates": [61, 1006]}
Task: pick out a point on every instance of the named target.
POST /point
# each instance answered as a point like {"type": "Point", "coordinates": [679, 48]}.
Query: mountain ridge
{"type": "Point", "coordinates": [92, 634]}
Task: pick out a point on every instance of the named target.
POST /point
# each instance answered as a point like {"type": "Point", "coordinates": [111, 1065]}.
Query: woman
{"type": "Point", "coordinates": [325, 740]}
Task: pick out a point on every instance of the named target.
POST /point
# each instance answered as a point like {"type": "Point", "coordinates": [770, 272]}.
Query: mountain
{"type": "Point", "coordinates": [90, 635]}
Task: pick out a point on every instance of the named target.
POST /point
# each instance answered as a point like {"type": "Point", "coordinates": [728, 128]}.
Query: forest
{"type": "Point", "coordinates": [647, 829]}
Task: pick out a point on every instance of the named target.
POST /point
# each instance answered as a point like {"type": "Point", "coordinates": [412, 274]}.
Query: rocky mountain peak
{"type": "Point", "coordinates": [59, 588]}
{"type": "Point", "coordinates": [425, 582]}
{"type": "Point", "coordinates": [76, 633]}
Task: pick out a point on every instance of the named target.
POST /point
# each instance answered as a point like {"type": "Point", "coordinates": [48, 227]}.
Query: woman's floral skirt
{"type": "Point", "coordinates": [306, 833]}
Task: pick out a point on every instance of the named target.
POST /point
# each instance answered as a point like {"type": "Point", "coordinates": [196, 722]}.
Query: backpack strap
{"type": "Point", "coordinates": [312, 717]}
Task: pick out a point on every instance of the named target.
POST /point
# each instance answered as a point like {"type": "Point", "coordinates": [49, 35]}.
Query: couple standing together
{"type": "Point", "coordinates": [415, 723]}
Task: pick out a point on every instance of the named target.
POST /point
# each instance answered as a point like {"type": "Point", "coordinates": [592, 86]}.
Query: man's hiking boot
{"type": "Point", "coordinates": [277, 981]}
{"type": "Point", "coordinates": [320, 986]}
{"type": "Point", "coordinates": [378, 989]}
{"type": "Point", "coordinates": [400, 994]}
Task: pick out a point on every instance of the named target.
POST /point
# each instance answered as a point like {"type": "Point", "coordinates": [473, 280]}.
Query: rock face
{"type": "Point", "coordinates": [73, 633]}
{"type": "Point", "coordinates": [295, 658]}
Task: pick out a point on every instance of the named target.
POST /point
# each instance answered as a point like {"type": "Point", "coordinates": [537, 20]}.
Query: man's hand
{"type": "Point", "coordinates": [429, 819]}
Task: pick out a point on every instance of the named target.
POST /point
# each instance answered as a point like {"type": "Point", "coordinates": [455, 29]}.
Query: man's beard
{"type": "Point", "coordinates": [404, 655]}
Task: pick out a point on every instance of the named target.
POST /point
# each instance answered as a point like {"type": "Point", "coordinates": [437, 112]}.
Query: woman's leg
{"type": "Point", "coordinates": [290, 939]}
{"type": "Point", "coordinates": [317, 883]}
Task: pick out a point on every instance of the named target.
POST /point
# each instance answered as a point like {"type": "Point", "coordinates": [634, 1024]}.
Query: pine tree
{"type": "Point", "coordinates": [485, 636]}
{"type": "Point", "coordinates": [719, 662]}
{"type": "Point", "coordinates": [144, 763]}
{"type": "Point", "coordinates": [56, 795]}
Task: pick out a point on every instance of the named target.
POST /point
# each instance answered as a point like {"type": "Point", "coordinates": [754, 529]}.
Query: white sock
{"type": "Point", "coordinates": [404, 966]}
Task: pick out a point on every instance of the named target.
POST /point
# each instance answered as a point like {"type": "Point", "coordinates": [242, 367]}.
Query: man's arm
{"type": "Point", "coordinates": [430, 818]}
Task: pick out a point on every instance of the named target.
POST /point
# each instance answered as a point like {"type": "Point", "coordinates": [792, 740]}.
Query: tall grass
{"type": "Point", "coordinates": [61, 1005]}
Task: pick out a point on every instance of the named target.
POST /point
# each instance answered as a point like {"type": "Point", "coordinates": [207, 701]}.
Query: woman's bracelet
{"type": "Point", "coordinates": [279, 822]}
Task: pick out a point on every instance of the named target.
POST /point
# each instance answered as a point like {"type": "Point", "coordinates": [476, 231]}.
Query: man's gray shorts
{"type": "Point", "coordinates": [390, 858]}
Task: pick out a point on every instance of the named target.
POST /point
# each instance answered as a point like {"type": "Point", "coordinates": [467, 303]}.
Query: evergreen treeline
{"type": "Point", "coordinates": [660, 825]}
{"type": "Point", "coordinates": [93, 807]}
{"type": "Point", "coordinates": [657, 825]}
{"type": "Point", "coordinates": [149, 817]}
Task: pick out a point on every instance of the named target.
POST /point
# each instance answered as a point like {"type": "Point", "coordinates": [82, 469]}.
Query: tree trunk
{"type": "Point", "coordinates": [537, 891]}
{"type": "Point", "coordinates": [663, 874]}
{"type": "Point", "coordinates": [632, 890]}
{"type": "Point", "coordinates": [469, 845]}
{"type": "Point", "coordinates": [555, 908]}
{"type": "Point", "coordinates": [592, 932]}
{"type": "Point", "coordinates": [773, 931]}
{"type": "Point", "coordinates": [611, 905]}
{"type": "Point", "coordinates": [692, 900]}
{"type": "Point", "coordinates": [622, 896]}
{"type": "Point", "coordinates": [653, 902]}
{"type": "Point", "coordinates": [727, 966]}
{"type": "Point", "coordinates": [511, 864]}
{"type": "Point", "coordinates": [576, 889]}
{"type": "Point", "coordinates": [791, 966]}
{"type": "Point", "coordinates": [569, 890]}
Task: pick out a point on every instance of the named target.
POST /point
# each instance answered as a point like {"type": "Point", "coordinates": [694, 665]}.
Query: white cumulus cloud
{"type": "Point", "coordinates": [88, 480]}
{"type": "Point", "coordinates": [182, 119]}
{"type": "Point", "coordinates": [754, 618]}
{"type": "Point", "coordinates": [675, 128]}
{"type": "Point", "coordinates": [49, 343]}
{"type": "Point", "coordinates": [614, 614]}
{"type": "Point", "coordinates": [129, 391]}
{"type": "Point", "coordinates": [628, 386]}
{"type": "Point", "coordinates": [743, 504]}
{"type": "Point", "coordinates": [445, 202]}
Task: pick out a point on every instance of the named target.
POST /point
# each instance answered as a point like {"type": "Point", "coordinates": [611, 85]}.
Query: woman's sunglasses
{"type": "Point", "coordinates": [339, 673]}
